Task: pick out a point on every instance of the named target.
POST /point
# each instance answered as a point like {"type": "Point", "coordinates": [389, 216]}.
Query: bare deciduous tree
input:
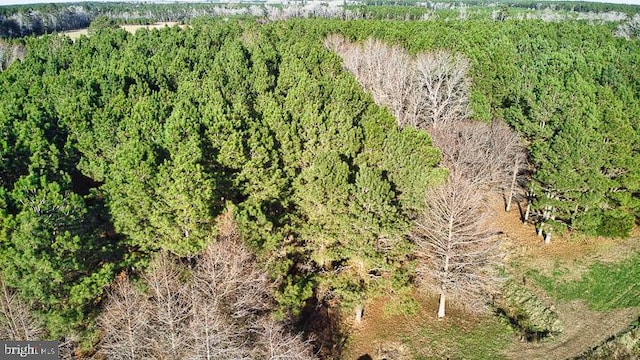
{"type": "Point", "coordinates": [219, 309]}
{"type": "Point", "coordinates": [17, 321]}
{"type": "Point", "coordinates": [215, 335]}
{"type": "Point", "coordinates": [398, 83]}
{"type": "Point", "coordinates": [276, 343]}
{"type": "Point", "coordinates": [511, 155]}
{"type": "Point", "coordinates": [387, 72]}
{"type": "Point", "coordinates": [229, 294]}
{"type": "Point", "coordinates": [489, 156]}
{"type": "Point", "coordinates": [432, 89]}
{"type": "Point", "coordinates": [170, 307]}
{"type": "Point", "coordinates": [227, 272]}
{"type": "Point", "coordinates": [336, 43]}
{"type": "Point", "coordinates": [466, 151]}
{"type": "Point", "coordinates": [125, 322]}
{"type": "Point", "coordinates": [458, 255]}
{"type": "Point", "coordinates": [445, 86]}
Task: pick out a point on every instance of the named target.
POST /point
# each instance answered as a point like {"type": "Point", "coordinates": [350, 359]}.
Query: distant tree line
{"type": "Point", "coordinates": [39, 20]}
{"type": "Point", "coordinates": [23, 20]}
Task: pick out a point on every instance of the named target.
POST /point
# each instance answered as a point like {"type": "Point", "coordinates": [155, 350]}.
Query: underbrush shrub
{"type": "Point", "coordinates": [527, 313]}
{"type": "Point", "coordinates": [589, 222]}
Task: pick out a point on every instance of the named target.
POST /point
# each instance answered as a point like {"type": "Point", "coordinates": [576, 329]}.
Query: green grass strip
{"type": "Point", "coordinates": [603, 287]}
{"type": "Point", "coordinates": [486, 340]}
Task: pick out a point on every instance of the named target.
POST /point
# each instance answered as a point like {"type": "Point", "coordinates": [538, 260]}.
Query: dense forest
{"type": "Point", "coordinates": [262, 173]}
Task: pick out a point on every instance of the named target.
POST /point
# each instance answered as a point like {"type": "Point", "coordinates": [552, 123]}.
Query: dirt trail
{"type": "Point", "coordinates": [583, 328]}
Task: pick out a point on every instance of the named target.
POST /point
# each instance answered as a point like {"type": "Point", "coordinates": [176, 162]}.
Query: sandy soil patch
{"type": "Point", "coordinates": [574, 251]}
{"type": "Point", "coordinates": [378, 329]}
{"type": "Point", "coordinates": [75, 34]}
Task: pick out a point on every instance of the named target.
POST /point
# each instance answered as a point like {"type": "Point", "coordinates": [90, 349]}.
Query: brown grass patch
{"type": "Point", "coordinates": [75, 34]}
{"type": "Point", "coordinates": [576, 252]}
{"type": "Point", "coordinates": [379, 330]}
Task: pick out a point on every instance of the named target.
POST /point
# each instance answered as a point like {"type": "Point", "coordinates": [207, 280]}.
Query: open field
{"type": "Point", "coordinates": [74, 34]}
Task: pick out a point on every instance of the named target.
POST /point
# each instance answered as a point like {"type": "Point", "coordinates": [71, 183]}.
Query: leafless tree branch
{"type": "Point", "coordinates": [125, 322]}
{"type": "Point", "coordinates": [458, 254]}
{"type": "Point", "coordinates": [17, 321]}
{"type": "Point", "coordinates": [219, 309]}
{"type": "Point", "coordinates": [489, 156]}
{"type": "Point", "coordinates": [276, 343]}
{"type": "Point", "coordinates": [431, 90]}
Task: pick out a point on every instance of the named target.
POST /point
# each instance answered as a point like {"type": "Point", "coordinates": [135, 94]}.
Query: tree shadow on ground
{"type": "Point", "coordinates": [320, 321]}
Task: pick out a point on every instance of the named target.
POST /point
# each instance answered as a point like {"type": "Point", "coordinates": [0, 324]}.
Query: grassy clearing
{"type": "Point", "coordinates": [487, 338]}
{"type": "Point", "coordinates": [420, 335]}
{"type": "Point", "coordinates": [602, 287]}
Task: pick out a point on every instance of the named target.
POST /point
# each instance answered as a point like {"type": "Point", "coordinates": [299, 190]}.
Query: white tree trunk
{"type": "Point", "coordinates": [441, 306]}
{"type": "Point", "coordinates": [513, 185]}
{"type": "Point", "coordinates": [547, 238]}
{"type": "Point", "coordinates": [527, 212]}
{"type": "Point", "coordinates": [458, 256]}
